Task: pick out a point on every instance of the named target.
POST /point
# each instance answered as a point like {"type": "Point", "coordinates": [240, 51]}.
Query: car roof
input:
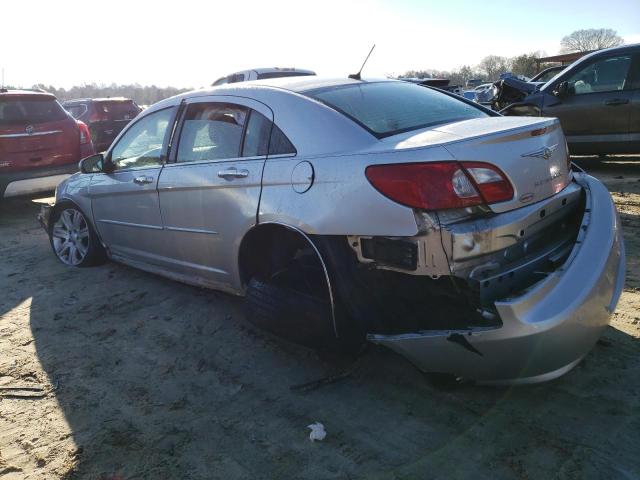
{"type": "Point", "coordinates": [288, 84]}
{"type": "Point", "coordinates": [606, 51]}
{"type": "Point", "coordinates": [301, 84]}
{"type": "Point", "coordinates": [107, 99]}
{"type": "Point", "coordinates": [26, 93]}
{"type": "Point", "coordinates": [278, 69]}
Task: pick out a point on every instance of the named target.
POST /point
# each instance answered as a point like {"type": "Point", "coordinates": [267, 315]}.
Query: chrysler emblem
{"type": "Point", "coordinates": [29, 129]}
{"type": "Point", "coordinates": [545, 152]}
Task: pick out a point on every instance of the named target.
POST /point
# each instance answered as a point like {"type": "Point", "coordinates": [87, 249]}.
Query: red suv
{"type": "Point", "coordinates": [105, 117]}
{"type": "Point", "coordinates": [40, 143]}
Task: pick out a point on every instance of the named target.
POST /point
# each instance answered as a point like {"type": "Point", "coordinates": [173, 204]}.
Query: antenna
{"type": "Point", "coordinates": [356, 76]}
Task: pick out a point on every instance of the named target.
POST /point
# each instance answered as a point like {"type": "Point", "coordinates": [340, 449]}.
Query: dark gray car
{"type": "Point", "coordinates": [597, 100]}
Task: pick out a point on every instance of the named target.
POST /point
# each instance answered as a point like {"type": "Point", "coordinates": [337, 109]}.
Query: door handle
{"type": "Point", "coordinates": [233, 172]}
{"type": "Point", "coordinates": [142, 179]}
{"type": "Point", "coordinates": [617, 101]}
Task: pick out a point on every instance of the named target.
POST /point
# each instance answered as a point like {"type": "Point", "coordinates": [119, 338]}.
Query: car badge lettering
{"type": "Point", "coordinates": [527, 197]}
{"type": "Point", "coordinates": [544, 152]}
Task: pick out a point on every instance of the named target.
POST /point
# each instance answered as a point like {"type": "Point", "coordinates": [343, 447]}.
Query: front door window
{"type": "Point", "coordinates": [605, 75]}
{"type": "Point", "coordinates": [141, 145]}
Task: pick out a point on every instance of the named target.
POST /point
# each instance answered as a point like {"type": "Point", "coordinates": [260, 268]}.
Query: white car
{"type": "Point", "coordinates": [262, 74]}
{"type": "Point", "coordinates": [346, 209]}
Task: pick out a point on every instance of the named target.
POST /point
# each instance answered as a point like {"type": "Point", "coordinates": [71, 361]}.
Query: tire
{"type": "Point", "coordinates": [73, 239]}
{"type": "Point", "coordinates": [293, 315]}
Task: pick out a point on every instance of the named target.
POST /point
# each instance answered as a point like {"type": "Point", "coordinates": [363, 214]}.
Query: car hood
{"type": "Point", "coordinates": [525, 87]}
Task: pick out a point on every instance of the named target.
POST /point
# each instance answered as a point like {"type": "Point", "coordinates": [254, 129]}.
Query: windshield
{"type": "Point", "coordinates": [547, 75]}
{"type": "Point", "coordinates": [389, 108]}
{"type": "Point", "coordinates": [25, 110]}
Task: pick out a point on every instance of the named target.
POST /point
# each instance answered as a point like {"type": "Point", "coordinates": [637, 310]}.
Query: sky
{"type": "Point", "coordinates": [190, 43]}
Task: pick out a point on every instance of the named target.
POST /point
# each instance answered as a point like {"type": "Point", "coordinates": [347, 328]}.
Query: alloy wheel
{"type": "Point", "coordinates": [70, 237]}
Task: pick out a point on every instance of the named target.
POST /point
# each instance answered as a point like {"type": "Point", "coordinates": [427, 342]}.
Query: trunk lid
{"type": "Point", "coordinates": [36, 132]}
{"type": "Point", "coordinates": [531, 152]}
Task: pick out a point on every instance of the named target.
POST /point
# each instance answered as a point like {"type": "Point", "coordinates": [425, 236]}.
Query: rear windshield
{"type": "Point", "coordinates": [117, 110]}
{"type": "Point", "coordinates": [26, 110]}
{"type": "Point", "coordinates": [263, 76]}
{"type": "Point", "coordinates": [76, 110]}
{"type": "Point", "coordinates": [389, 108]}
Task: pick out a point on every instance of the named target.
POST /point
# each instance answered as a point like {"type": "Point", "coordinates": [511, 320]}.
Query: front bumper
{"type": "Point", "coordinates": [44, 216]}
{"type": "Point", "coordinates": [547, 329]}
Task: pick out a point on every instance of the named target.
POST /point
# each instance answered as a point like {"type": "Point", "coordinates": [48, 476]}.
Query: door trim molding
{"type": "Point", "coordinates": [130, 224]}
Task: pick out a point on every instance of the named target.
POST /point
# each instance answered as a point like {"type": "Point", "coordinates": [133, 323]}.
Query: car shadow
{"type": "Point", "coordinates": [161, 380]}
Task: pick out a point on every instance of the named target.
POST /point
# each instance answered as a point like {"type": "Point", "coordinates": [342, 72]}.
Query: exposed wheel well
{"type": "Point", "coordinates": [267, 247]}
{"type": "Point", "coordinates": [270, 249]}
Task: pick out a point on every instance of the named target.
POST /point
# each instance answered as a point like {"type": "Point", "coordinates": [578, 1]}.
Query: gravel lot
{"type": "Point", "coordinates": [133, 376]}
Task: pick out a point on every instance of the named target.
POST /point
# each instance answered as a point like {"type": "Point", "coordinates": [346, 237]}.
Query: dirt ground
{"type": "Point", "coordinates": [133, 376]}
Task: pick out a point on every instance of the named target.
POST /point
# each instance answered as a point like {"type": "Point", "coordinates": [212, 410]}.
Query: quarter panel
{"type": "Point", "coordinates": [341, 201]}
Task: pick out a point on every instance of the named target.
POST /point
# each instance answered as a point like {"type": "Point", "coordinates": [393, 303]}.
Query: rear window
{"type": "Point", "coordinates": [389, 108]}
{"type": "Point", "coordinates": [76, 110]}
{"type": "Point", "coordinates": [263, 76]}
{"type": "Point", "coordinates": [26, 110]}
{"type": "Point", "coordinates": [117, 110]}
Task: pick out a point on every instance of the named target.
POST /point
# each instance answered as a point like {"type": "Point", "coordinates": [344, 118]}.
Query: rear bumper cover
{"type": "Point", "coordinates": [547, 329]}
{"type": "Point", "coordinates": [33, 174]}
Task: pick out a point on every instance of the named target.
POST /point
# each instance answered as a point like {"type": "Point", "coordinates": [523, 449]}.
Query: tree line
{"type": "Point", "coordinates": [491, 66]}
{"type": "Point", "coordinates": [142, 95]}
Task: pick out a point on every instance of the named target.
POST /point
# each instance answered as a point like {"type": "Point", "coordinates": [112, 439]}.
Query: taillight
{"type": "Point", "coordinates": [85, 136]}
{"type": "Point", "coordinates": [441, 185]}
{"type": "Point", "coordinates": [491, 182]}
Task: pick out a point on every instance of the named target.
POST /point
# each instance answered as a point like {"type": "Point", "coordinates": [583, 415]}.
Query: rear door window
{"type": "Point", "coordinates": [211, 131]}
{"type": "Point", "coordinates": [27, 110]}
{"type": "Point", "coordinates": [263, 137]}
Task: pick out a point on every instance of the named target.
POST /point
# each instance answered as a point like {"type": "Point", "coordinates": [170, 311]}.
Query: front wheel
{"type": "Point", "coordinates": [73, 239]}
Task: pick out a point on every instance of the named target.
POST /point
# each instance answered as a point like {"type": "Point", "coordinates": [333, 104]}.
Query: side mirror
{"type": "Point", "coordinates": [92, 164]}
{"type": "Point", "coordinates": [562, 90]}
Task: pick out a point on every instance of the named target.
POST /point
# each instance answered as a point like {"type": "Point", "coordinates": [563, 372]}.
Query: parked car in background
{"type": "Point", "coordinates": [547, 74]}
{"type": "Point", "coordinates": [262, 74]}
{"type": "Point", "coordinates": [472, 94]}
{"type": "Point", "coordinates": [40, 143]}
{"type": "Point", "coordinates": [105, 117]}
{"type": "Point", "coordinates": [596, 99]}
{"type": "Point", "coordinates": [441, 83]}
{"type": "Point", "coordinates": [345, 208]}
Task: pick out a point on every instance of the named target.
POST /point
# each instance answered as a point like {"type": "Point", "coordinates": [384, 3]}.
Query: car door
{"type": "Point", "coordinates": [209, 192]}
{"type": "Point", "coordinates": [597, 106]}
{"type": "Point", "coordinates": [634, 123]}
{"type": "Point", "coordinates": [124, 199]}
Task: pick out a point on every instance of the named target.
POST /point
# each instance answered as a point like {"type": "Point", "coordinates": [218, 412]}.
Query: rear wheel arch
{"type": "Point", "coordinates": [268, 245]}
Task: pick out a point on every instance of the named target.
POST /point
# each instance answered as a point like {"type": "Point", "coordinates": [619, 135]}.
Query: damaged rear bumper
{"type": "Point", "coordinates": [545, 330]}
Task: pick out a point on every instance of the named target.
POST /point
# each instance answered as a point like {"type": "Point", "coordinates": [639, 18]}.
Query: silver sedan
{"type": "Point", "coordinates": [349, 210]}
